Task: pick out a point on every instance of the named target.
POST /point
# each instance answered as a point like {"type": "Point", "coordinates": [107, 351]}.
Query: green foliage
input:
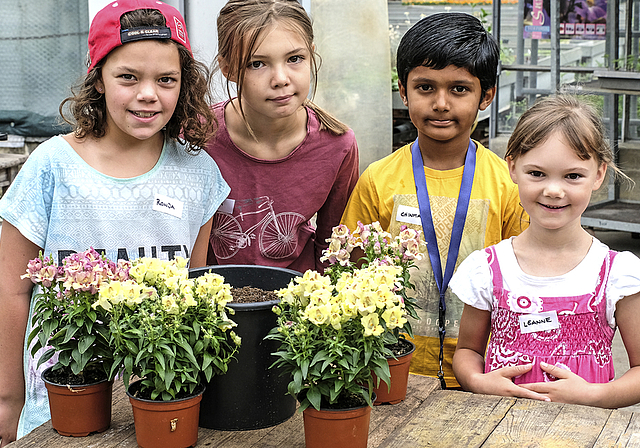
{"type": "Point", "coordinates": [335, 330]}
{"type": "Point", "coordinates": [171, 331]}
{"type": "Point", "coordinates": [64, 321]}
{"type": "Point", "coordinates": [329, 348]}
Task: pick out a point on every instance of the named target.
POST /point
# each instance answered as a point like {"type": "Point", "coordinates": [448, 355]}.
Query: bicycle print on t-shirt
{"type": "Point", "coordinates": [275, 232]}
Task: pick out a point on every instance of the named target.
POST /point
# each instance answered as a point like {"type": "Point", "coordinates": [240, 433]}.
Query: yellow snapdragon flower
{"type": "Point", "coordinates": [371, 324]}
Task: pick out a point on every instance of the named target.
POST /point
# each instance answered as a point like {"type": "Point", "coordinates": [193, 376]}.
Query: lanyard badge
{"type": "Point", "coordinates": [430, 234]}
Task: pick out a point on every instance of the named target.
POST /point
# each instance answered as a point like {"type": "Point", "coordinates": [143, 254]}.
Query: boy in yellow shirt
{"type": "Point", "coordinates": [445, 184]}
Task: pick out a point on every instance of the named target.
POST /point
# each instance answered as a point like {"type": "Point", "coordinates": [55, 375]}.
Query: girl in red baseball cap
{"type": "Point", "coordinates": [129, 181]}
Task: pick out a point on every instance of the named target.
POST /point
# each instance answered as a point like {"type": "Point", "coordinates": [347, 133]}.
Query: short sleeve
{"type": "Point", "coordinates": [218, 190]}
{"type": "Point", "coordinates": [362, 204]}
{"type": "Point", "coordinates": [472, 281]}
{"type": "Point", "coordinates": [624, 280]}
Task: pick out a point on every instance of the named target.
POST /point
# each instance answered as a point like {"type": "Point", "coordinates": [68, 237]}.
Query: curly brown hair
{"type": "Point", "coordinates": [192, 122]}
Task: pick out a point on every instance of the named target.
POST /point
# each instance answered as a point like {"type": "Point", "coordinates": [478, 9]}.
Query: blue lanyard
{"type": "Point", "coordinates": [430, 233]}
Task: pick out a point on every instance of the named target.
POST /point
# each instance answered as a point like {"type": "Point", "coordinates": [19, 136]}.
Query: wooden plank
{"type": "Point", "coordinates": [12, 160]}
{"type": "Point", "coordinates": [576, 426]}
{"type": "Point", "coordinates": [289, 434]}
{"type": "Point", "coordinates": [451, 419]}
{"type": "Point", "coordinates": [386, 418]}
{"type": "Point", "coordinates": [615, 427]}
{"type": "Point", "coordinates": [629, 437]}
{"type": "Point", "coordinates": [526, 421]}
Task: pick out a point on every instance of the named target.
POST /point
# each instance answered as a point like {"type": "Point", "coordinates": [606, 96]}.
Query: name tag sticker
{"type": "Point", "coordinates": [410, 215]}
{"type": "Point", "coordinates": [533, 323]}
{"type": "Point", "coordinates": [227, 206]}
{"type": "Point", "coordinates": [168, 205]}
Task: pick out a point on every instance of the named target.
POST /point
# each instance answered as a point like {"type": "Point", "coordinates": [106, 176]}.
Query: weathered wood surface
{"type": "Point", "coordinates": [456, 419]}
{"type": "Point", "coordinates": [290, 434]}
{"type": "Point", "coordinates": [10, 164]}
{"type": "Point", "coordinates": [429, 417]}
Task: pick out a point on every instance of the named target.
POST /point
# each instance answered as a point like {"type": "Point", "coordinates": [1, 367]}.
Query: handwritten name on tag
{"type": "Point", "coordinates": [410, 215]}
{"type": "Point", "coordinates": [533, 323]}
{"type": "Point", "coordinates": [168, 205]}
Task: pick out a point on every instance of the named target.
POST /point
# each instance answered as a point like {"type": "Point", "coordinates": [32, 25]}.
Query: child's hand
{"type": "Point", "coordinates": [568, 388]}
{"type": "Point", "coordinates": [500, 382]}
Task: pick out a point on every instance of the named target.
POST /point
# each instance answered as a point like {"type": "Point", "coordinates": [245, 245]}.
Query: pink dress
{"type": "Point", "coordinates": [581, 343]}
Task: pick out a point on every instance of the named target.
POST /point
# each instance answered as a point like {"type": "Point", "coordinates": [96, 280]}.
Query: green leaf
{"type": "Point", "coordinates": [128, 364]}
{"type": "Point", "coordinates": [304, 367]}
{"type": "Point", "coordinates": [65, 358]}
{"type": "Point", "coordinates": [322, 355]}
{"type": "Point", "coordinates": [81, 360]}
{"type": "Point", "coordinates": [187, 348]}
{"type": "Point", "coordinates": [206, 360]}
{"type": "Point", "coordinates": [85, 342]}
{"type": "Point", "coordinates": [160, 358]}
{"type": "Point", "coordinates": [297, 378]}
{"type": "Point", "coordinates": [168, 378]}
{"type": "Point", "coordinates": [314, 397]}
{"type": "Point", "coordinates": [32, 335]}
{"type": "Point", "coordinates": [46, 356]}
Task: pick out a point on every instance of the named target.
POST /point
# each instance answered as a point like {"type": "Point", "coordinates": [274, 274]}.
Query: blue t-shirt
{"type": "Point", "coordinates": [63, 205]}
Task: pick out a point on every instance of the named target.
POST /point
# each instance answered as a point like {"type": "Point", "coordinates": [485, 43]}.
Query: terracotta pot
{"type": "Point", "coordinates": [399, 375]}
{"type": "Point", "coordinates": [165, 424]}
{"type": "Point", "coordinates": [336, 428]}
{"type": "Point", "coordinates": [79, 410]}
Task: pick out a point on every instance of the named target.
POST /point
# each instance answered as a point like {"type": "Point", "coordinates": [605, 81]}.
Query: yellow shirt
{"type": "Point", "coordinates": [386, 193]}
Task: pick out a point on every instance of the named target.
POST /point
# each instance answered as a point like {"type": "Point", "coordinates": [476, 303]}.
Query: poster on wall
{"type": "Point", "coordinates": [579, 19]}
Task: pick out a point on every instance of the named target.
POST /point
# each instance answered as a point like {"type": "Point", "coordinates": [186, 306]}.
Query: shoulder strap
{"type": "Point", "coordinates": [494, 267]}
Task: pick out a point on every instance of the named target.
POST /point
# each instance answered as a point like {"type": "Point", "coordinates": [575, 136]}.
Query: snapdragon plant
{"type": "Point", "coordinates": [172, 332]}
{"type": "Point", "coordinates": [64, 323]}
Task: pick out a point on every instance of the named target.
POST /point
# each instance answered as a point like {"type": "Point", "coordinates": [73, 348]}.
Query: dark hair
{"type": "Point", "coordinates": [192, 121]}
{"type": "Point", "coordinates": [240, 24]}
{"type": "Point", "coordinates": [579, 123]}
{"type": "Point", "coordinates": [445, 39]}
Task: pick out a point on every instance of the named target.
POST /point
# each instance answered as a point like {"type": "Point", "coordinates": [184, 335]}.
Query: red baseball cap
{"type": "Point", "coordinates": [105, 33]}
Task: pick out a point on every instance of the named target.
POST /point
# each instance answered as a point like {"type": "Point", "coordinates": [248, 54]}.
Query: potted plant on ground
{"type": "Point", "coordinates": [64, 323]}
{"type": "Point", "coordinates": [174, 334]}
{"type": "Point", "coordinates": [372, 245]}
{"type": "Point", "coordinates": [331, 334]}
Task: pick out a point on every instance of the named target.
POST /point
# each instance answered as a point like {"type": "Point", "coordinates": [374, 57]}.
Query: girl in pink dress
{"type": "Point", "coordinates": [541, 308]}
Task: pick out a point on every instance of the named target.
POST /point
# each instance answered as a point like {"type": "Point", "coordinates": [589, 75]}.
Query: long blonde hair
{"type": "Point", "coordinates": [240, 24]}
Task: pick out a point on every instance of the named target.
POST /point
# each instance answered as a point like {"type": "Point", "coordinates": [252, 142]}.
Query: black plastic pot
{"type": "Point", "coordinates": [250, 395]}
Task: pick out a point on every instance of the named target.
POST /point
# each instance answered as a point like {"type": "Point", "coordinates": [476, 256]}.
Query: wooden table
{"type": "Point", "coordinates": [429, 417]}
{"type": "Point", "coordinates": [10, 164]}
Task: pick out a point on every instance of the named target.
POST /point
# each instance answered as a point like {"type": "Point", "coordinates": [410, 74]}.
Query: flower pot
{"type": "Point", "coordinates": [79, 410]}
{"type": "Point", "coordinates": [165, 424]}
{"type": "Point", "coordinates": [336, 428]}
{"type": "Point", "coordinates": [250, 395]}
{"type": "Point", "coordinates": [399, 375]}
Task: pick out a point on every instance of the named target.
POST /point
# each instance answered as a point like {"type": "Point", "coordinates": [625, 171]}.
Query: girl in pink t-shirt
{"type": "Point", "coordinates": [541, 308]}
{"type": "Point", "coordinates": [291, 166]}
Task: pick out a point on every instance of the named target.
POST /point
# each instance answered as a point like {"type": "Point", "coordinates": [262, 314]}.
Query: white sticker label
{"type": "Point", "coordinates": [410, 215]}
{"type": "Point", "coordinates": [533, 323]}
{"type": "Point", "coordinates": [227, 206]}
{"type": "Point", "coordinates": [168, 205]}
